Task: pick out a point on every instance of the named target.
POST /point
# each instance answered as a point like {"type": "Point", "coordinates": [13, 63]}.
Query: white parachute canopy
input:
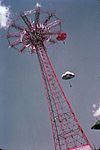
{"type": "Point", "coordinates": [68, 75]}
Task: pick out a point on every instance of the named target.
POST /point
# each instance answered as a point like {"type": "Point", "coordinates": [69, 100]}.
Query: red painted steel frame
{"type": "Point", "coordinates": [67, 133]}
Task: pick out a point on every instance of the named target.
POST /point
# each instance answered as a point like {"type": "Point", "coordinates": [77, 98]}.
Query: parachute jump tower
{"type": "Point", "coordinates": [33, 32]}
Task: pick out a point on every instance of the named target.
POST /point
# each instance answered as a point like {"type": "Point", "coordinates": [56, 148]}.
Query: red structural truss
{"type": "Point", "coordinates": [32, 32]}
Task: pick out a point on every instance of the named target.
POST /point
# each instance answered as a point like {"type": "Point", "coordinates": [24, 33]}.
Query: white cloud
{"type": "Point", "coordinates": [96, 113]}
{"type": "Point", "coordinates": [94, 105]}
{"type": "Point", "coordinates": [4, 16]}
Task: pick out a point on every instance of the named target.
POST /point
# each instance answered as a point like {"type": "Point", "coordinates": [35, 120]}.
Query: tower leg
{"type": "Point", "coordinates": [67, 133]}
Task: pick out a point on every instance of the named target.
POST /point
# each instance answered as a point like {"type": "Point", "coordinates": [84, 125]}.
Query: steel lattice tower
{"type": "Point", "coordinates": [23, 34]}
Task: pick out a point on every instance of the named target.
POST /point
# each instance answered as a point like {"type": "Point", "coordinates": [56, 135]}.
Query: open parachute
{"type": "Point", "coordinates": [68, 75]}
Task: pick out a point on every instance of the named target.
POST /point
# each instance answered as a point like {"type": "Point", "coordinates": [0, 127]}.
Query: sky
{"type": "Point", "coordinates": [24, 117]}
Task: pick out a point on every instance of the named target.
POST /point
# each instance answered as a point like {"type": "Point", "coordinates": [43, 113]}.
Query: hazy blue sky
{"type": "Point", "coordinates": [24, 119]}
